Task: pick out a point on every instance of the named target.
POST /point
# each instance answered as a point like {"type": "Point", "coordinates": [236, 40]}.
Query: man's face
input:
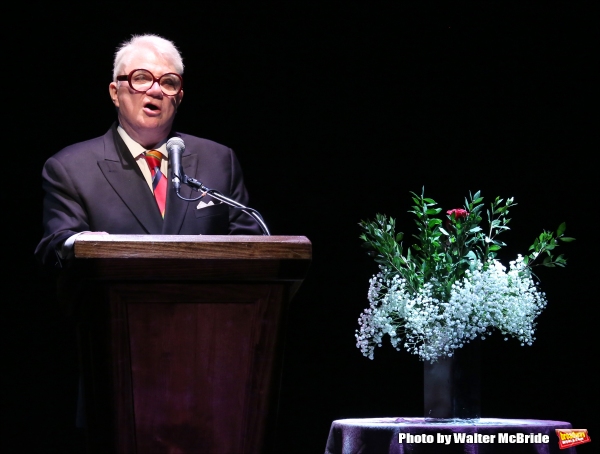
{"type": "Point", "coordinates": [146, 117]}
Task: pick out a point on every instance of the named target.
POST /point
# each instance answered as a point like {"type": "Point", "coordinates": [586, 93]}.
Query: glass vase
{"type": "Point", "coordinates": [452, 385]}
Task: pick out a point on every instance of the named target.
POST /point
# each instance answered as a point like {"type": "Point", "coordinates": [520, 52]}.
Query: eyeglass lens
{"type": "Point", "coordinates": [143, 79]}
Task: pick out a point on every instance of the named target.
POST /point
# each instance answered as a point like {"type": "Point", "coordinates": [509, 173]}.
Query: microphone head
{"type": "Point", "coordinates": [175, 148]}
{"type": "Point", "coordinates": [174, 143]}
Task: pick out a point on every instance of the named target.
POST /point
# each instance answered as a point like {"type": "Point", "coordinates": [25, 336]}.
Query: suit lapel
{"type": "Point", "coordinates": [177, 208]}
{"type": "Point", "coordinates": [125, 177]}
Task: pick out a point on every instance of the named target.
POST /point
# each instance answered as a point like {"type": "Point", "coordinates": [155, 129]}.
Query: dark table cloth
{"type": "Point", "coordinates": [381, 436]}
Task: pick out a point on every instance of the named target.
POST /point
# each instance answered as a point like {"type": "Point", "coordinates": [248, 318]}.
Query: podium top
{"type": "Point", "coordinates": [202, 247]}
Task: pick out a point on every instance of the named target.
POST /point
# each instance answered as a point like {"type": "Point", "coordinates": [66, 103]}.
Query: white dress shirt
{"type": "Point", "coordinates": [137, 151]}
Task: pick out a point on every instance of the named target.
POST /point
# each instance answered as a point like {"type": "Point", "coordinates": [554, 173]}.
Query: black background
{"type": "Point", "coordinates": [336, 112]}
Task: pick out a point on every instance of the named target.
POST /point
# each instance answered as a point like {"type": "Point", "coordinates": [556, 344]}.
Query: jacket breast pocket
{"type": "Point", "coordinates": [213, 220]}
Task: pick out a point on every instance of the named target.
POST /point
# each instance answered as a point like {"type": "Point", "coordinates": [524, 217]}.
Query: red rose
{"type": "Point", "coordinates": [459, 213]}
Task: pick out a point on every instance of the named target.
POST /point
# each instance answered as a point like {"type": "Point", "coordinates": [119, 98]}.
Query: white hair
{"type": "Point", "coordinates": [162, 46]}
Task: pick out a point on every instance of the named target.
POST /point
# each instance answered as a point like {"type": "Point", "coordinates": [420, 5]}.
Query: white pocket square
{"type": "Point", "coordinates": [203, 204]}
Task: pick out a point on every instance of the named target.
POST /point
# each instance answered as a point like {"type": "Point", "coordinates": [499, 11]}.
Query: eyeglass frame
{"type": "Point", "coordinates": [127, 77]}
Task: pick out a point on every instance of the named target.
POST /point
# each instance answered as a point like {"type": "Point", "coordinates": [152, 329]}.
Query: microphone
{"type": "Point", "coordinates": [176, 147]}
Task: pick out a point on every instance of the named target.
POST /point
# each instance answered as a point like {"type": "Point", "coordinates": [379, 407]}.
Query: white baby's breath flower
{"type": "Point", "coordinates": [487, 297]}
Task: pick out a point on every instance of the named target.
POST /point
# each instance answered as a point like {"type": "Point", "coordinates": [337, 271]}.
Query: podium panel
{"type": "Point", "coordinates": [186, 358]}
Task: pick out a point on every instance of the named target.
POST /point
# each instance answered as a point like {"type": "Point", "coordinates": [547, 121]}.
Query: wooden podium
{"type": "Point", "coordinates": [181, 339]}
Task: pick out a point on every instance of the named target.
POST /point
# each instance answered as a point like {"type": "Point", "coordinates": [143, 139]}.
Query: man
{"type": "Point", "coordinates": [118, 183]}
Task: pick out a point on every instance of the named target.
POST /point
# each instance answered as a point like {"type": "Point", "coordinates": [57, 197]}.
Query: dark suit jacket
{"type": "Point", "coordinates": [98, 186]}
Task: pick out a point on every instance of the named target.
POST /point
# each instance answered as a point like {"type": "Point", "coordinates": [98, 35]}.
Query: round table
{"type": "Point", "coordinates": [417, 435]}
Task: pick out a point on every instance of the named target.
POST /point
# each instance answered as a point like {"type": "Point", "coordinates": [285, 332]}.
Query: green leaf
{"type": "Point", "coordinates": [433, 222]}
{"type": "Point", "coordinates": [566, 239]}
{"type": "Point", "coordinates": [561, 229]}
{"type": "Point", "coordinates": [433, 211]}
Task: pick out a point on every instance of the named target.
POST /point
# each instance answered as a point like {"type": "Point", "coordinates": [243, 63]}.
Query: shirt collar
{"type": "Point", "coordinates": [136, 149]}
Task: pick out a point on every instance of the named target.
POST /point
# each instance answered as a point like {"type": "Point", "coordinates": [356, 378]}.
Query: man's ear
{"type": "Point", "coordinates": [113, 90]}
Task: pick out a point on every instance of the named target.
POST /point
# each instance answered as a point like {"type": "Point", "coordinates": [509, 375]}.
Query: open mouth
{"type": "Point", "coordinates": [152, 110]}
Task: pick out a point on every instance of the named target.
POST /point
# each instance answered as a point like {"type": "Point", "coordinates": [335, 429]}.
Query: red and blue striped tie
{"type": "Point", "coordinates": [159, 182]}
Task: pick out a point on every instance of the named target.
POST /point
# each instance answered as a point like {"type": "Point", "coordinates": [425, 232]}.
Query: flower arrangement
{"type": "Point", "coordinates": [448, 288]}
